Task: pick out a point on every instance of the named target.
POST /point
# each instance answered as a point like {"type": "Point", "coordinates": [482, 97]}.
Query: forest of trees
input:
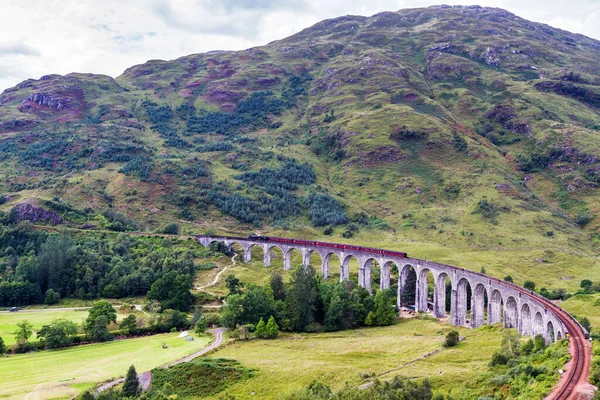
{"type": "Point", "coordinates": [308, 304]}
{"type": "Point", "coordinates": [32, 263]}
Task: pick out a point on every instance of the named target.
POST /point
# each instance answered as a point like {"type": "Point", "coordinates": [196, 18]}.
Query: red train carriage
{"type": "Point", "coordinates": [334, 245]}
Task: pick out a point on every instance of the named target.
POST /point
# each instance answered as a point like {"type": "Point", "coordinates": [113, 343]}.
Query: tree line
{"type": "Point", "coordinates": [307, 304]}
{"type": "Point", "coordinates": [36, 267]}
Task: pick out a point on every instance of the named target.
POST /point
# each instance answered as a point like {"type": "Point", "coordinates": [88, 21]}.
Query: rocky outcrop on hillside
{"type": "Point", "coordinates": [29, 211]}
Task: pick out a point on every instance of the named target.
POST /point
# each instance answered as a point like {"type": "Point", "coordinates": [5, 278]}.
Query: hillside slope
{"type": "Point", "coordinates": [461, 134]}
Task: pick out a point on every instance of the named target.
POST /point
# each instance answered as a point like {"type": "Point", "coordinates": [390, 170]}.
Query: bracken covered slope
{"type": "Point", "coordinates": [466, 128]}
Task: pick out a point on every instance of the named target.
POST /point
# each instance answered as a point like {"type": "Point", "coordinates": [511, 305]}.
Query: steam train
{"type": "Point", "coordinates": [325, 244]}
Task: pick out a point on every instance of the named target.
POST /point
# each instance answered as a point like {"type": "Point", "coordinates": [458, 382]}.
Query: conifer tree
{"type": "Point", "coordinates": [131, 386]}
{"type": "Point", "coordinates": [384, 311]}
{"type": "Point", "coordinates": [260, 331]}
{"type": "Point", "coordinates": [272, 329]}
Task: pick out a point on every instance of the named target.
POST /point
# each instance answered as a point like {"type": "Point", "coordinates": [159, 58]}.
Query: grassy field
{"type": "Point", "coordinates": [64, 373]}
{"type": "Point", "coordinates": [294, 360]}
{"type": "Point", "coordinates": [39, 318]}
{"type": "Point", "coordinates": [585, 305]}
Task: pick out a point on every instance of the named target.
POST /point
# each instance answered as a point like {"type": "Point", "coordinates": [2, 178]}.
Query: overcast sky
{"type": "Point", "coordinates": [40, 37]}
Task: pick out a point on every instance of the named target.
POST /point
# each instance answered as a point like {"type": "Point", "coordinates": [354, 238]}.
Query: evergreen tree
{"type": "Point", "coordinates": [370, 320]}
{"type": "Point", "coordinates": [302, 297]}
{"type": "Point", "coordinates": [334, 313]}
{"type": "Point", "coordinates": [384, 311]}
{"type": "Point", "coordinates": [131, 386]}
{"type": "Point", "coordinates": [272, 329]}
{"type": "Point", "coordinates": [2, 346]}
{"type": "Point", "coordinates": [260, 331]}
{"type": "Point", "coordinates": [277, 286]}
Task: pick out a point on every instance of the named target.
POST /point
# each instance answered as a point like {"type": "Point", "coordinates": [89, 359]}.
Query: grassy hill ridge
{"type": "Point", "coordinates": [461, 134]}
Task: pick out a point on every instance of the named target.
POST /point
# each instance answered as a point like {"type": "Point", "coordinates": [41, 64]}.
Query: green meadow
{"type": "Point", "coordinates": [64, 373]}
{"type": "Point", "coordinates": [294, 360]}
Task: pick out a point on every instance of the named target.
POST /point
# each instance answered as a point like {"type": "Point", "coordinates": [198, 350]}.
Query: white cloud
{"type": "Point", "coordinates": [50, 36]}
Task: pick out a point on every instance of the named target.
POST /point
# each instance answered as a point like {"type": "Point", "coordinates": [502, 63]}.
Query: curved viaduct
{"type": "Point", "coordinates": [510, 304]}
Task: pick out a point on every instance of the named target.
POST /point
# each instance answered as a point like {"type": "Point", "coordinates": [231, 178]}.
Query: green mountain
{"type": "Point", "coordinates": [460, 134]}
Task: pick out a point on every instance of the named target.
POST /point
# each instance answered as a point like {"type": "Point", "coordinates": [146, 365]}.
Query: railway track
{"type": "Point", "coordinates": [577, 374]}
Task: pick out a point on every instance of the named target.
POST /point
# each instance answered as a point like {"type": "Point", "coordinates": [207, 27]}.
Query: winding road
{"type": "Point", "coordinates": [218, 341]}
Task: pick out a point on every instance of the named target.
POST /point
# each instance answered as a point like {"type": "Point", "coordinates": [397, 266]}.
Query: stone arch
{"type": "Point", "coordinates": [345, 269]}
{"type": "Point", "coordinates": [559, 335]}
{"type": "Point", "coordinates": [312, 257]}
{"type": "Point", "coordinates": [327, 264]}
{"type": "Point", "coordinates": [495, 306]}
{"type": "Point", "coordinates": [407, 286]}
{"type": "Point", "coordinates": [273, 251]}
{"type": "Point", "coordinates": [385, 276]}
{"type": "Point", "coordinates": [423, 280]}
{"type": "Point", "coordinates": [538, 324]}
{"type": "Point", "coordinates": [288, 257]}
{"type": "Point", "coordinates": [249, 248]}
{"type": "Point", "coordinates": [365, 272]}
{"type": "Point", "coordinates": [550, 336]}
{"type": "Point", "coordinates": [462, 305]}
{"type": "Point", "coordinates": [237, 248]}
{"type": "Point", "coordinates": [478, 302]}
{"type": "Point", "coordinates": [441, 303]}
{"type": "Point", "coordinates": [511, 314]}
{"type": "Point", "coordinates": [526, 325]}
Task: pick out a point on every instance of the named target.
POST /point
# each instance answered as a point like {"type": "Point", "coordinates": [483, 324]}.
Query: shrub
{"type": "Point", "coordinates": [171, 229]}
{"type": "Point", "coordinates": [452, 339]}
{"type": "Point", "coordinates": [583, 218]}
{"type": "Point", "coordinates": [499, 358]}
{"type": "Point", "coordinates": [527, 348]}
{"type": "Point", "coordinates": [500, 380]}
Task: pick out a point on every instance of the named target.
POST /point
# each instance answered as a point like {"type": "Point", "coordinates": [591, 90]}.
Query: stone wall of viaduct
{"type": "Point", "coordinates": [510, 304]}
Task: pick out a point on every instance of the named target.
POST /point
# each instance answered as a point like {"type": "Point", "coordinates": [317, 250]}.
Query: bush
{"type": "Point", "coordinates": [171, 229]}
{"type": "Point", "coordinates": [527, 348]}
{"type": "Point", "coordinates": [452, 339]}
{"type": "Point", "coordinates": [51, 297]}
{"type": "Point", "coordinates": [500, 380]}
{"type": "Point", "coordinates": [499, 358]}
{"type": "Point", "coordinates": [583, 218]}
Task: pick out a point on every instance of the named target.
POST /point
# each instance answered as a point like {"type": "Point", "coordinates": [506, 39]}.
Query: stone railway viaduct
{"type": "Point", "coordinates": [510, 304]}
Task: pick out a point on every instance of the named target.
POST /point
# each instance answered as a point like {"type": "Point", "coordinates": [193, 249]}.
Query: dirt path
{"type": "Point", "coordinates": [218, 341]}
{"type": "Point", "coordinates": [216, 278]}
